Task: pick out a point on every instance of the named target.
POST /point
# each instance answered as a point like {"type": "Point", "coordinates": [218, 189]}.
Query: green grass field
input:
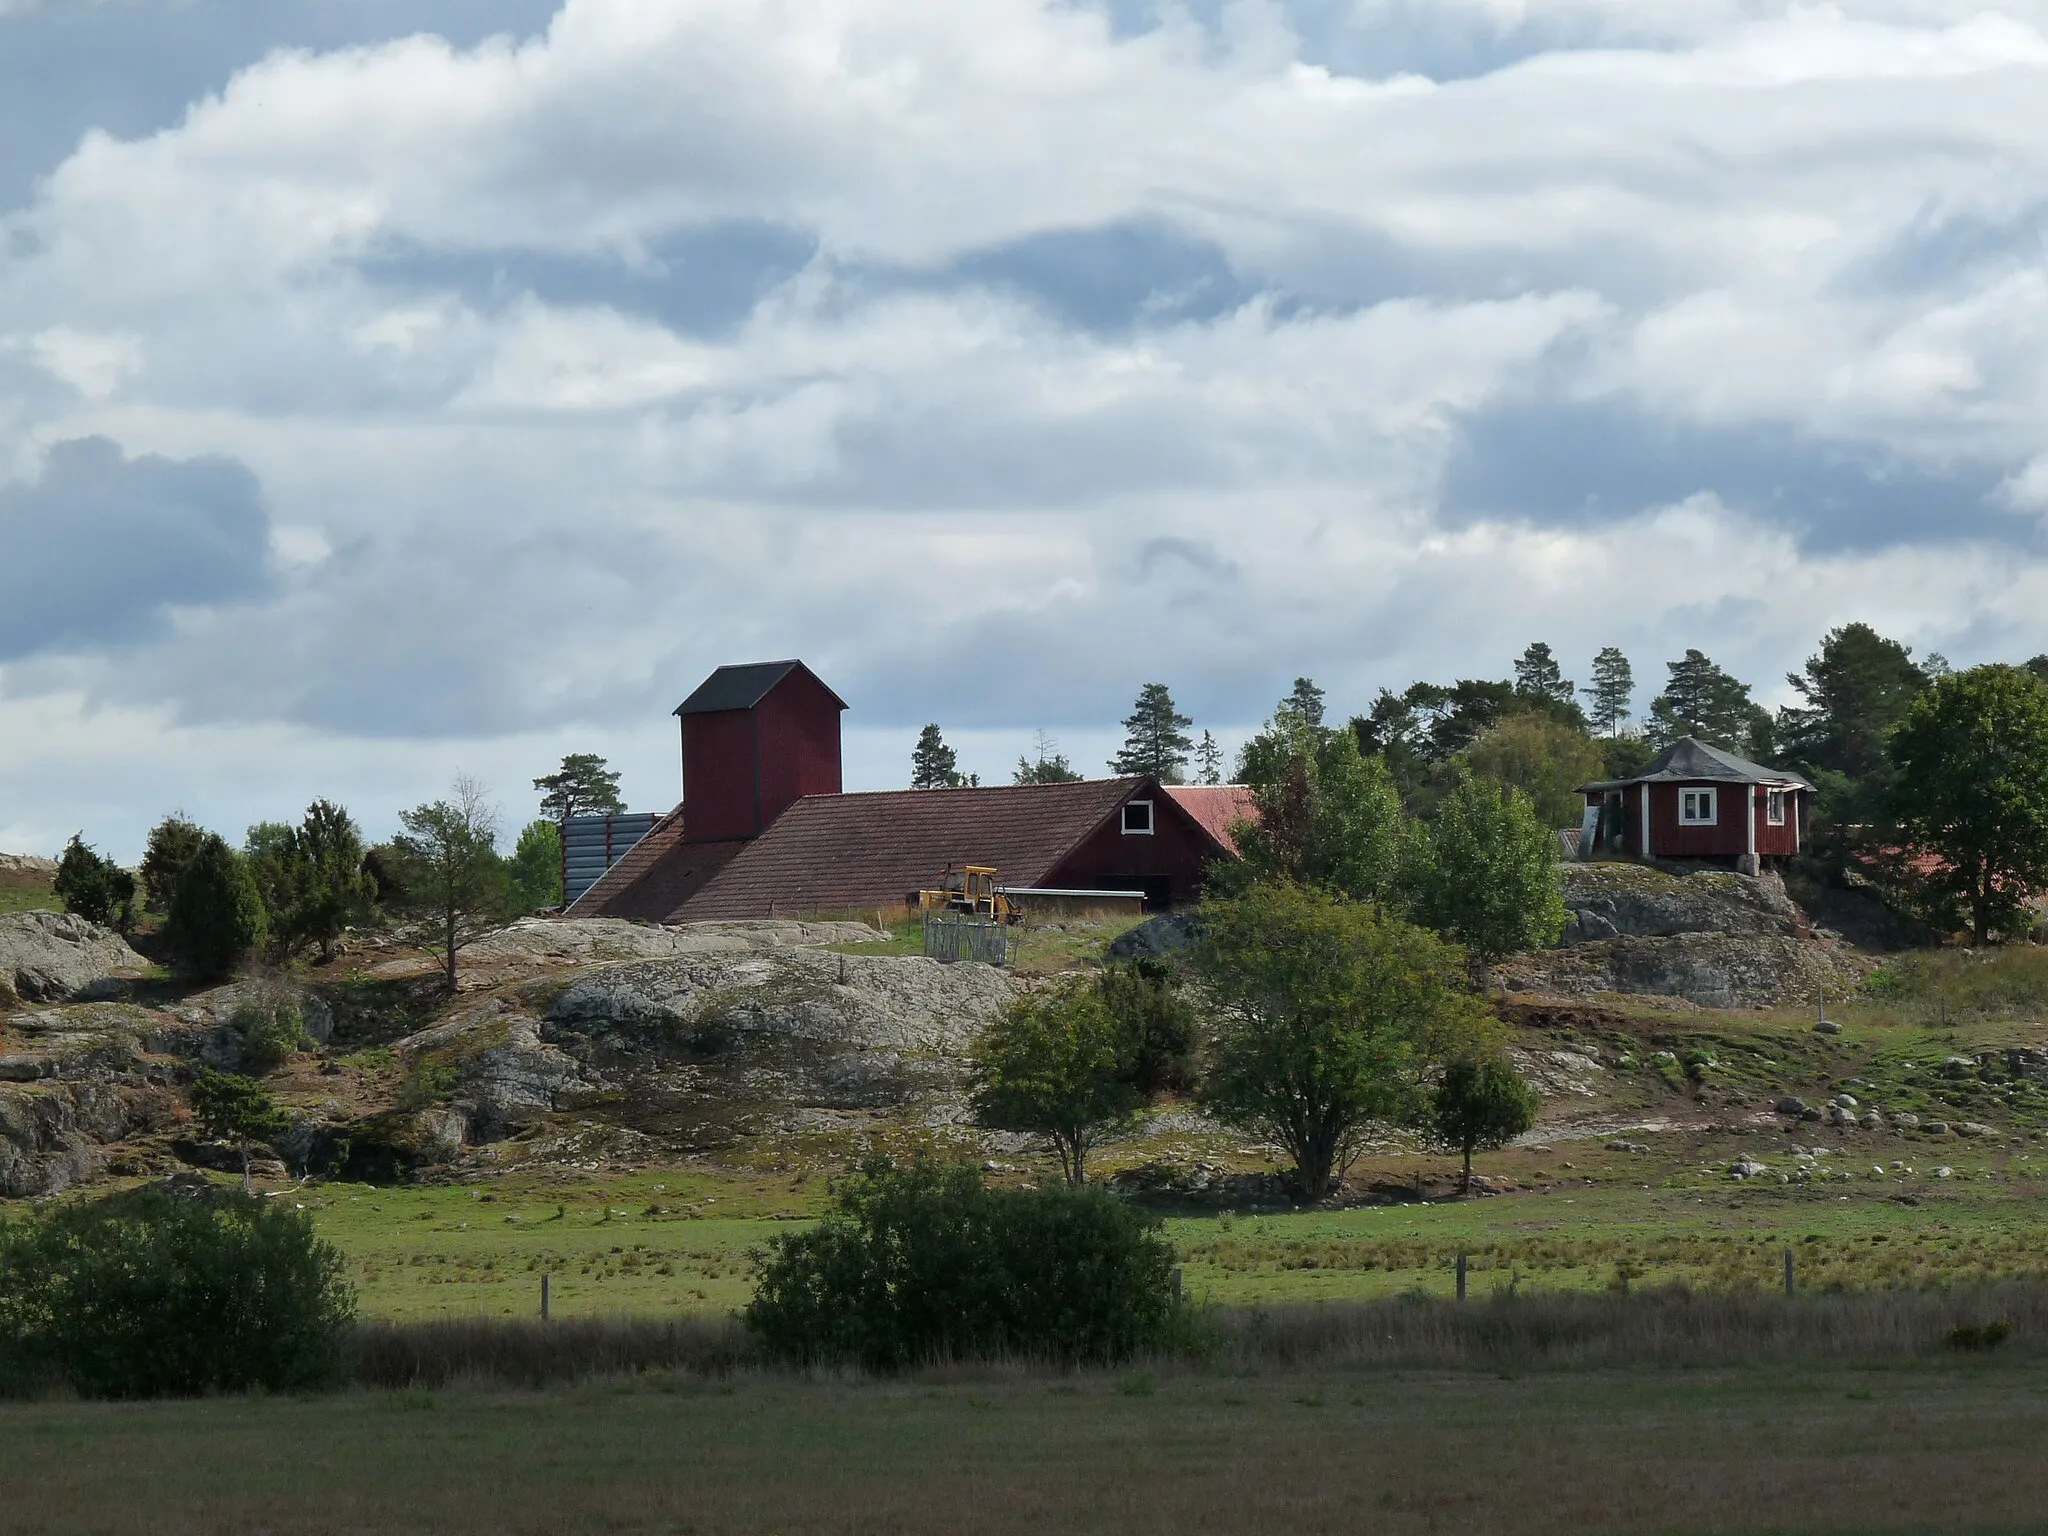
{"type": "Point", "coordinates": [1940, 1447]}
{"type": "Point", "coordinates": [679, 1243]}
{"type": "Point", "coordinates": [21, 891]}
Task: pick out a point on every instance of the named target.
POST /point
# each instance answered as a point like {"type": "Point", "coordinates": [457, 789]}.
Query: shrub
{"type": "Point", "coordinates": [159, 1292]}
{"type": "Point", "coordinates": [216, 915]}
{"type": "Point", "coordinates": [925, 1263]}
{"type": "Point", "coordinates": [270, 1031]}
{"type": "Point", "coordinates": [1142, 998]}
{"type": "Point", "coordinates": [96, 888]}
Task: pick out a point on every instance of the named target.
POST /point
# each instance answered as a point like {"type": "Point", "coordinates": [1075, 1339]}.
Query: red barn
{"type": "Point", "coordinates": [1695, 801]}
{"type": "Point", "coordinates": [764, 827]}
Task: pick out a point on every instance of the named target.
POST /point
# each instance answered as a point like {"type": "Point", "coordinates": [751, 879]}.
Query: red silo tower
{"type": "Point", "coordinates": [756, 738]}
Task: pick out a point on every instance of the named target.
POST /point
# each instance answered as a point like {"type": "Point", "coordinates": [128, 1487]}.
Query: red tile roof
{"type": "Point", "coordinates": [851, 853]}
{"type": "Point", "coordinates": [657, 876]}
{"type": "Point", "coordinates": [1216, 806]}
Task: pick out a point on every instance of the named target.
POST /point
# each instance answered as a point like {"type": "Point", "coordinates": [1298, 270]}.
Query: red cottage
{"type": "Point", "coordinates": [1694, 801]}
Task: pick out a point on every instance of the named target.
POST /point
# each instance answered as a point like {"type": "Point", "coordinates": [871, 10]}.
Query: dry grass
{"type": "Point", "coordinates": [1663, 1328]}
{"type": "Point", "coordinates": [536, 1354]}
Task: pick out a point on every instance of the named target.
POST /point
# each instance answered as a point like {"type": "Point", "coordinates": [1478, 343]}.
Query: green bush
{"type": "Point", "coordinates": [216, 917]}
{"type": "Point", "coordinates": [926, 1263]}
{"type": "Point", "coordinates": [95, 888]}
{"type": "Point", "coordinates": [270, 1031]}
{"type": "Point", "coordinates": [159, 1293]}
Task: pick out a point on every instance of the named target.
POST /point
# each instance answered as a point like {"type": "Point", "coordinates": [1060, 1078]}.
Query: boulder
{"type": "Point", "coordinates": [55, 957]}
{"type": "Point", "coordinates": [1164, 935]}
{"type": "Point", "coordinates": [1621, 900]}
{"type": "Point", "coordinates": [1906, 1120]}
{"type": "Point", "coordinates": [1714, 970]}
{"type": "Point", "coordinates": [1789, 1105]}
{"type": "Point", "coordinates": [1975, 1128]}
{"type": "Point", "coordinates": [1827, 1027]}
{"type": "Point", "coordinates": [1747, 1168]}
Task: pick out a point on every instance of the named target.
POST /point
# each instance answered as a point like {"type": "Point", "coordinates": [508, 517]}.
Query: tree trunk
{"type": "Point", "coordinates": [1465, 1184]}
{"type": "Point", "coordinates": [248, 1188]}
{"type": "Point", "coordinates": [449, 932]}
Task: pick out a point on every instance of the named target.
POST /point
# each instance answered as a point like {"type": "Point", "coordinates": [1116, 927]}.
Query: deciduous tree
{"type": "Point", "coordinates": [1971, 758]}
{"type": "Point", "coordinates": [1545, 759]}
{"type": "Point", "coordinates": [1329, 1014]}
{"type": "Point", "coordinates": [535, 870]}
{"type": "Point", "coordinates": [1328, 816]}
{"type": "Point", "coordinates": [1486, 874]}
{"type": "Point", "coordinates": [1481, 1101]}
{"type": "Point", "coordinates": [1061, 1064]}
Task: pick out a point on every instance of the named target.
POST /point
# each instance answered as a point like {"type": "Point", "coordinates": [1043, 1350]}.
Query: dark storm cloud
{"type": "Point", "coordinates": [1587, 464]}
{"type": "Point", "coordinates": [131, 67]}
{"type": "Point", "coordinates": [101, 547]}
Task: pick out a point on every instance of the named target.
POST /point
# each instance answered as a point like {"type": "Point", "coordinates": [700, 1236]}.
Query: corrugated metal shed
{"type": "Point", "coordinates": [593, 844]}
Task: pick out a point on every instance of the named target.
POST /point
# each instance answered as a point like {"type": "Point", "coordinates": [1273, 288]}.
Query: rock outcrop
{"type": "Point", "coordinates": [1716, 939]}
{"type": "Point", "coordinates": [52, 957]}
{"type": "Point", "coordinates": [699, 1048]}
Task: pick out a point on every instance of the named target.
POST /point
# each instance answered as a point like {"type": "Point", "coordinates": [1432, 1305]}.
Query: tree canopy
{"type": "Point", "coordinates": [1046, 765]}
{"type": "Point", "coordinates": [1328, 1016]}
{"type": "Point", "coordinates": [1328, 816]}
{"type": "Point", "coordinates": [1481, 1101]}
{"type": "Point", "coordinates": [1856, 691]}
{"type": "Point", "coordinates": [1538, 676]}
{"type": "Point", "coordinates": [96, 888]}
{"type": "Point", "coordinates": [450, 872]}
{"type": "Point", "coordinates": [1971, 758]}
{"type": "Point", "coordinates": [1062, 1064]}
{"type": "Point", "coordinates": [1486, 873]}
{"type": "Point", "coordinates": [1613, 691]}
{"type": "Point", "coordinates": [1701, 700]}
{"type": "Point", "coordinates": [217, 916]}
{"type": "Point", "coordinates": [582, 786]}
{"type": "Point", "coordinates": [172, 842]}
{"type": "Point", "coordinates": [1545, 759]}
{"type": "Point", "coordinates": [933, 764]}
{"type": "Point", "coordinates": [1156, 741]}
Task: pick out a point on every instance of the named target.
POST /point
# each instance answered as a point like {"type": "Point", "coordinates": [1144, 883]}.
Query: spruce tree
{"type": "Point", "coordinates": [1613, 691]}
{"type": "Point", "coordinates": [933, 764]}
{"type": "Point", "coordinates": [1156, 742]}
{"type": "Point", "coordinates": [1209, 761]}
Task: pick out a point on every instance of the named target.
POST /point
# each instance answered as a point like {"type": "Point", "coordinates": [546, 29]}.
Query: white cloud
{"type": "Point", "coordinates": [1108, 353]}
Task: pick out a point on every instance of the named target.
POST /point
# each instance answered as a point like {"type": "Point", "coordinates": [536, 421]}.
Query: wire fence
{"type": "Point", "coordinates": [951, 938]}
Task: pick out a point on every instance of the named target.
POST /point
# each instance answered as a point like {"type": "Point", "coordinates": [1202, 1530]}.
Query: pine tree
{"type": "Point", "coordinates": [933, 764]}
{"type": "Point", "coordinates": [1305, 702]}
{"type": "Point", "coordinates": [1701, 700]}
{"type": "Point", "coordinates": [1613, 690]}
{"type": "Point", "coordinates": [1537, 675]}
{"type": "Point", "coordinates": [583, 786]}
{"type": "Point", "coordinates": [1209, 758]}
{"type": "Point", "coordinates": [1156, 742]}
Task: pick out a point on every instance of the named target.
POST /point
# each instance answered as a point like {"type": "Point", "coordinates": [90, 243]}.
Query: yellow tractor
{"type": "Point", "coordinates": [970, 891]}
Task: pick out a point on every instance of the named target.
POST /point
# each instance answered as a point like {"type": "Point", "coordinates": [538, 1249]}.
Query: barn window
{"type": "Point", "coordinates": [1774, 807]}
{"type": "Point", "coordinates": [1137, 818]}
{"type": "Point", "coordinates": [1696, 808]}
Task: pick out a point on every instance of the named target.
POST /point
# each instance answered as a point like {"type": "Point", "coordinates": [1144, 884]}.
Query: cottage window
{"type": "Point", "coordinates": [1774, 807]}
{"type": "Point", "coordinates": [1137, 818]}
{"type": "Point", "coordinates": [1696, 808]}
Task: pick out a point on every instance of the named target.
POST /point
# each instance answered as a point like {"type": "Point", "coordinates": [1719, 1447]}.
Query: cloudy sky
{"type": "Point", "coordinates": [392, 387]}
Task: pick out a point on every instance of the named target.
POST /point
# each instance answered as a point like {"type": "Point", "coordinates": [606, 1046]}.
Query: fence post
{"type": "Point", "coordinates": [1788, 1271]}
{"type": "Point", "coordinates": [1461, 1274]}
{"type": "Point", "coordinates": [543, 1297]}
{"type": "Point", "coordinates": [1176, 1285]}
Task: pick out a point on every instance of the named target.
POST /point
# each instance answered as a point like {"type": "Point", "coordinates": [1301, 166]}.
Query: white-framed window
{"type": "Point", "coordinates": [1696, 808]}
{"type": "Point", "coordinates": [1137, 818]}
{"type": "Point", "coordinates": [1774, 807]}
